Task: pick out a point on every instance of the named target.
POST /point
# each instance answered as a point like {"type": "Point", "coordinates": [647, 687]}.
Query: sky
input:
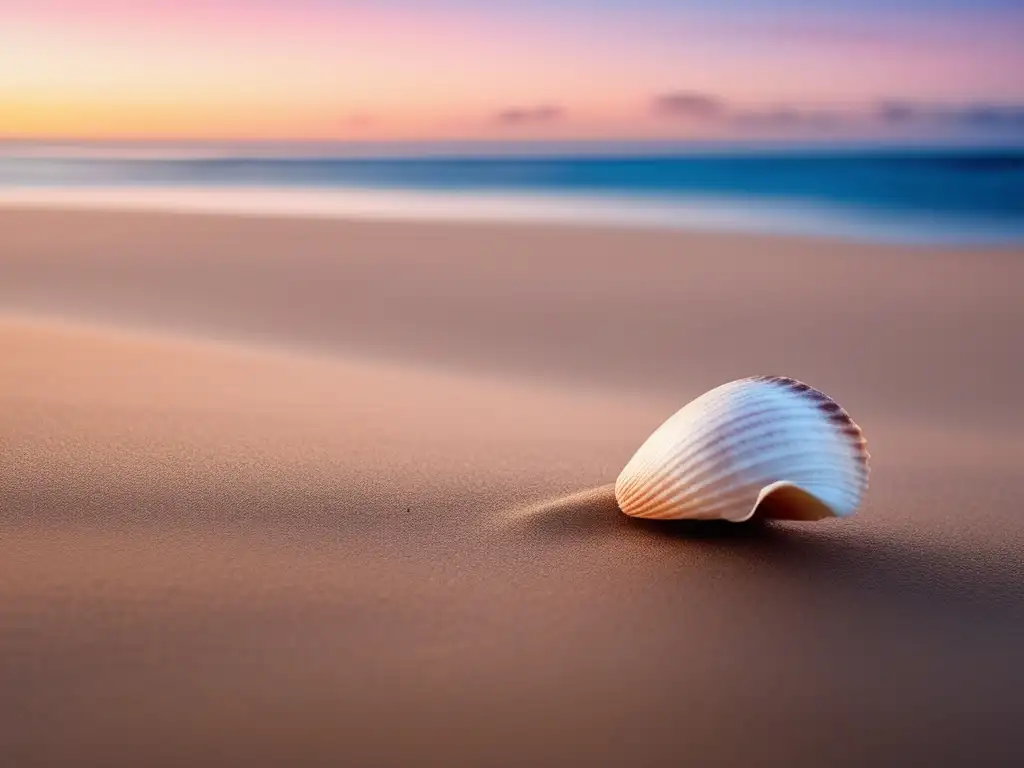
{"type": "Point", "coordinates": [326, 70]}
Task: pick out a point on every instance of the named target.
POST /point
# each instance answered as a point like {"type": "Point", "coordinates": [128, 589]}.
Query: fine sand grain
{"type": "Point", "coordinates": [312, 492]}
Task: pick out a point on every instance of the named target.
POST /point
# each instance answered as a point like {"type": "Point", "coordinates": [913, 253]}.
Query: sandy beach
{"type": "Point", "coordinates": [284, 491]}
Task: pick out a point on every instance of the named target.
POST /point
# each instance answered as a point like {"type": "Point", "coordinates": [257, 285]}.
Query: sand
{"type": "Point", "coordinates": [324, 492]}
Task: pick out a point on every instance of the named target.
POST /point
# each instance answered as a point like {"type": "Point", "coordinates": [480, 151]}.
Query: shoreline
{"type": "Point", "coordinates": [705, 214]}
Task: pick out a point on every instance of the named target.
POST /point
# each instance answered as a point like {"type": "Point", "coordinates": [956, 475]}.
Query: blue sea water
{"type": "Point", "coordinates": [952, 195]}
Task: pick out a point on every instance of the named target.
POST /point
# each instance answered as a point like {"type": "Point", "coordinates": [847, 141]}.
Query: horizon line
{"type": "Point", "coordinates": [37, 145]}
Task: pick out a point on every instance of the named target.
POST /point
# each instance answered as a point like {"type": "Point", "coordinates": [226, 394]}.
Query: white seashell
{"type": "Point", "coordinates": [768, 440]}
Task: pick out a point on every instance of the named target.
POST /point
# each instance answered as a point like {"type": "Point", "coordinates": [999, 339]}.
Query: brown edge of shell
{"type": "Point", "coordinates": [835, 413]}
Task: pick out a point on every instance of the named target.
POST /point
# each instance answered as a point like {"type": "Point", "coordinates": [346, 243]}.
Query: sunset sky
{"type": "Point", "coordinates": [440, 69]}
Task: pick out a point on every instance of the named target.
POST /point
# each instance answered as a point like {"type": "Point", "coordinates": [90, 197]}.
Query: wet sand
{"type": "Point", "coordinates": [320, 492]}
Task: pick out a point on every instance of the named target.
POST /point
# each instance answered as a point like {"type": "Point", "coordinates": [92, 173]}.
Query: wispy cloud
{"type": "Point", "coordinates": [897, 112]}
{"type": "Point", "coordinates": [982, 116]}
{"type": "Point", "coordinates": [541, 113]}
{"type": "Point", "coordinates": [690, 105]}
{"type": "Point", "coordinates": [694, 106]}
{"type": "Point", "coordinates": [703, 108]}
{"type": "Point", "coordinates": [1008, 116]}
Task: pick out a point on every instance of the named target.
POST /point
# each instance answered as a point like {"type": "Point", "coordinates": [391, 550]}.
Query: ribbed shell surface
{"type": "Point", "coordinates": [718, 456]}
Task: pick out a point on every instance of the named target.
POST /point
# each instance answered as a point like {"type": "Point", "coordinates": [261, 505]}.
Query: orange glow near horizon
{"type": "Point", "coordinates": [101, 69]}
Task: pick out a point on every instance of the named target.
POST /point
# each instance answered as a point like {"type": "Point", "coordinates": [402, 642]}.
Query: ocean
{"type": "Point", "coordinates": [950, 196]}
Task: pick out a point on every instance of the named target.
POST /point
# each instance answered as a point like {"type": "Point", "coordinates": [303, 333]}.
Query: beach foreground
{"type": "Point", "coordinates": [285, 491]}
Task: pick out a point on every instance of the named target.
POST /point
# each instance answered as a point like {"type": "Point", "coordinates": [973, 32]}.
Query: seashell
{"type": "Point", "coordinates": [769, 445]}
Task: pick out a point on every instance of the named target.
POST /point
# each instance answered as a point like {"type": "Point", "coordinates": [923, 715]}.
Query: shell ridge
{"type": "Point", "coordinates": [735, 452]}
{"type": "Point", "coordinates": [724, 449]}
